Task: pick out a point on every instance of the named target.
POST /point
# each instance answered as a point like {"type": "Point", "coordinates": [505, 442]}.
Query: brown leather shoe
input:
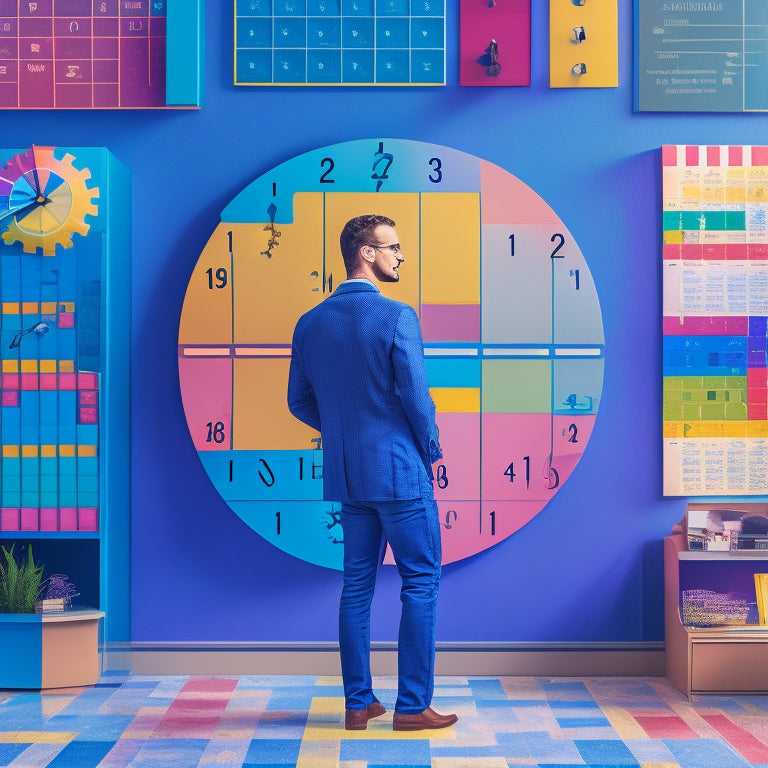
{"type": "Point", "coordinates": [357, 719]}
{"type": "Point", "coordinates": [426, 719]}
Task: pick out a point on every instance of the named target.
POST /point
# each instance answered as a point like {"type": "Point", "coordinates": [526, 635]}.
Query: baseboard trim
{"type": "Point", "coordinates": [541, 659]}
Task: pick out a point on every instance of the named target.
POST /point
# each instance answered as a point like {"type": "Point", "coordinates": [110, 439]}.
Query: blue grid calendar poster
{"type": "Point", "coordinates": [339, 42]}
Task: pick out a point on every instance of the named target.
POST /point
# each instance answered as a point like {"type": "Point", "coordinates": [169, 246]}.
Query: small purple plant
{"type": "Point", "coordinates": [59, 586]}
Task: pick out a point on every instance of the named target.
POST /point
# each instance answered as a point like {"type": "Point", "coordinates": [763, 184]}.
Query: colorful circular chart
{"type": "Point", "coordinates": [44, 200]}
{"type": "Point", "coordinates": [511, 324]}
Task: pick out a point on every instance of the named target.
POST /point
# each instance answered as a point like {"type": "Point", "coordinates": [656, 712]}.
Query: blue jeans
{"type": "Point", "coordinates": [413, 531]}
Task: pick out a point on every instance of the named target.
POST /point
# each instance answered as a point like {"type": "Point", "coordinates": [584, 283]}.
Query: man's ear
{"type": "Point", "coordinates": [367, 253]}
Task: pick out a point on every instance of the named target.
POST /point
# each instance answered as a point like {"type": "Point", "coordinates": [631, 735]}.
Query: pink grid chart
{"type": "Point", "coordinates": [82, 54]}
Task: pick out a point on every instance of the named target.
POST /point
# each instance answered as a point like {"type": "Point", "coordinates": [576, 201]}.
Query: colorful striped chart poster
{"type": "Point", "coordinates": [715, 280]}
{"type": "Point", "coordinates": [339, 42]}
{"type": "Point", "coordinates": [50, 380]}
{"type": "Point", "coordinates": [100, 54]}
{"type": "Point", "coordinates": [511, 325]}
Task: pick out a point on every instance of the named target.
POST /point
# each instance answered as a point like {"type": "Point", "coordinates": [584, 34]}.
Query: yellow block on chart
{"type": "Point", "coordinates": [583, 44]}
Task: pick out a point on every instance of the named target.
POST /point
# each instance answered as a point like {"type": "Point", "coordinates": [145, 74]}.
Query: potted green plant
{"type": "Point", "coordinates": [43, 649]}
{"type": "Point", "coordinates": [20, 582]}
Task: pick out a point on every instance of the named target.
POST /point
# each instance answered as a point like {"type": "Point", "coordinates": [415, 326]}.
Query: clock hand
{"type": "Point", "coordinates": [39, 200]}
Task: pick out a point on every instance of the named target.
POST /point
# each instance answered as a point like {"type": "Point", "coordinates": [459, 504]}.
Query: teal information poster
{"type": "Point", "coordinates": [701, 56]}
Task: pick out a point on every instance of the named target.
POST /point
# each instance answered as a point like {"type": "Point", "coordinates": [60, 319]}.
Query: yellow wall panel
{"type": "Point", "coordinates": [450, 246]}
{"type": "Point", "coordinates": [599, 51]}
{"type": "Point", "coordinates": [261, 419]}
{"type": "Point", "coordinates": [290, 277]}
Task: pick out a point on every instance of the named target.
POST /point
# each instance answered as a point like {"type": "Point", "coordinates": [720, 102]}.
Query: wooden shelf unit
{"type": "Point", "coordinates": [728, 659]}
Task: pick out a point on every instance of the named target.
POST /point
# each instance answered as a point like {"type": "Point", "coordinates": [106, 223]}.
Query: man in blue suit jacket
{"type": "Point", "coordinates": [357, 376]}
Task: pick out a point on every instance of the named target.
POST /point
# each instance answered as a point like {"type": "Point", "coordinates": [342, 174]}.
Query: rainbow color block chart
{"type": "Point", "coordinates": [50, 402]}
{"type": "Point", "coordinates": [715, 275]}
{"type": "Point", "coordinates": [100, 54]}
{"type": "Point", "coordinates": [64, 267]}
{"type": "Point", "coordinates": [339, 42]}
{"type": "Point", "coordinates": [511, 323]}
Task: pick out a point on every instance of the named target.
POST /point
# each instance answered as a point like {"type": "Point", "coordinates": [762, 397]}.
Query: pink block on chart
{"type": "Point", "coordinates": [736, 251]}
{"type": "Point", "coordinates": [570, 434]}
{"type": "Point", "coordinates": [757, 377]}
{"type": "Point", "coordinates": [713, 251]}
{"type": "Point", "coordinates": [691, 251]}
{"type": "Point", "coordinates": [49, 519]}
{"type": "Point", "coordinates": [460, 441]}
{"type": "Point", "coordinates": [516, 456]}
{"type": "Point", "coordinates": [88, 519]}
{"type": "Point", "coordinates": [450, 322]}
{"type": "Point", "coordinates": [30, 519]}
{"type": "Point", "coordinates": [505, 198]}
{"type": "Point", "coordinates": [10, 398]}
{"type": "Point", "coordinates": [30, 381]}
{"type": "Point", "coordinates": [757, 251]}
{"type": "Point", "coordinates": [503, 518]}
{"type": "Point", "coordinates": [206, 391]}
{"type": "Point", "coordinates": [759, 156]}
{"type": "Point", "coordinates": [88, 415]}
{"type": "Point", "coordinates": [67, 381]}
{"type": "Point", "coordinates": [669, 155]}
{"type": "Point", "coordinates": [88, 397]}
{"type": "Point", "coordinates": [67, 519]}
{"type": "Point", "coordinates": [10, 519]}
{"type": "Point", "coordinates": [460, 529]}
{"type": "Point", "coordinates": [87, 381]}
{"type": "Point", "coordinates": [11, 381]}
{"type": "Point", "coordinates": [48, 381]}
{"type": "Point", "coordinates": [66, 320]}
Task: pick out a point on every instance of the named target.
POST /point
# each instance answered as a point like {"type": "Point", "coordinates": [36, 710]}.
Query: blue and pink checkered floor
{"type": "Point", "coordinates": [269, 721]}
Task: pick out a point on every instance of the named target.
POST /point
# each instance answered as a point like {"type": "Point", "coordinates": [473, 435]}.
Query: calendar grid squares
{"type": "Point", "coordinates": [339, 42]}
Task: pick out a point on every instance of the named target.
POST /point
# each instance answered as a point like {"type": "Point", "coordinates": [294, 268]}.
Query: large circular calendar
{"type": "Point", "coordinates": [511, 324]}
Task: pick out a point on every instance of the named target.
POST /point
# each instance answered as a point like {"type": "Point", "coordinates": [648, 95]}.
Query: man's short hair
{"type": "Point", "coordinates": [358, 232]}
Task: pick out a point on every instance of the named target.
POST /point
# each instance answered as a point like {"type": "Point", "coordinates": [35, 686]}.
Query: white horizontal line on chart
{"type": "Point", "coordinates": [473, 352]}
{"type": "Point", "coordinates": [573, 352]}
{"type": "Point", "coordinates": [453, 352]}
{"type": "Point", "coordinates": [206, 351]}
{"type": "Point", "coordinates": [516, 352]}
{"type": "Point", "coordinates": [263, 351]}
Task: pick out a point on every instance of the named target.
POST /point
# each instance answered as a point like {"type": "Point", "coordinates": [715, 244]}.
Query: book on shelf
{"type": "Point", "coordinates": [761, 590]}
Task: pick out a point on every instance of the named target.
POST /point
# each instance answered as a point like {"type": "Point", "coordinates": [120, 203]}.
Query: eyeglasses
{"type": "Point", "coordinates": [394, 247]}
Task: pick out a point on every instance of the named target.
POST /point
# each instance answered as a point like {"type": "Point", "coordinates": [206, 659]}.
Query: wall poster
{"type": "Point", "coordinates": [701, 56]}
{"type": "Point", "coordinates": [715, 280]}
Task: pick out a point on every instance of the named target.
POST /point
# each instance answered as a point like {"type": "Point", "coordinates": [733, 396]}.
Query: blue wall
{"type": "Point", "coordinates": [588, 567]}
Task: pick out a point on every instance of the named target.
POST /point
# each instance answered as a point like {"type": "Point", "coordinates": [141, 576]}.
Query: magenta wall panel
{"type": "Point", "coordinates": [508, 23]}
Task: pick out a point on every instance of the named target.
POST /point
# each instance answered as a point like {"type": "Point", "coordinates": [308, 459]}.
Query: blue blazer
{"type": "Point", "coordinates": [357, 376]}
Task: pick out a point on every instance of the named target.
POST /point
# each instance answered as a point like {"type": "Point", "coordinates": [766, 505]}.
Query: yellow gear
{"type": "Point", "coordinates": [59, 216]}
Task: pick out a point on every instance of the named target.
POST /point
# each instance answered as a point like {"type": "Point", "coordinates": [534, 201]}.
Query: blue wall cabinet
{"type": "Point", "coordinates": [65, 365]}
